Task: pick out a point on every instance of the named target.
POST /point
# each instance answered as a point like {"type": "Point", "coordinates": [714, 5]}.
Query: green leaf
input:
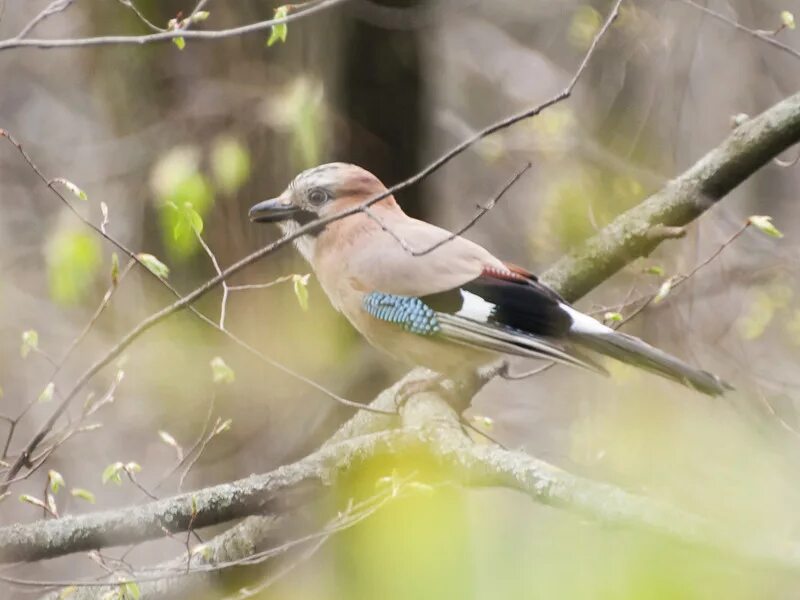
{"type": "Point", "coordinates": [30, 342]}
{"type": "Point", "coordinates": [203, 550]}
{"type": "Point", "coordinates": [223, 427]}
{"type": "Point", "coordinates": [483, 421]}
{"type": "Point", "coordinates": [51, 504]}
{"type": "Point", "coordinates": [56, 480]}
{"type": "Point", "coordinates": [73, 260]}
{"type": "Point", "coordinates": [176, 181]}
{"type": "Point", "coordinates": [230, 162]}
{"type": "Point", "coordinates": [67, 592]}
{"type": "Point", "coordinates": [200, 16]}
{"type": "Point", "coordinates": [612, 317]}
{"type": "Point", "coordinates": [78, 192]}
{"type": "Point", "coordinates": [133, 467]}
{"type": "Point", "coordinates": [278, 33]}
{"type": "Point", "coordinates": [83, 494]}
{"type": "Point", "coordinates": [764, 224]}
{"type": "Point", "coordinates": [114, 269]}
{"type": "Point", "coordinates": [221, 372]}
{"type": "Point", "coordinates": [188, 221]}
{"type": "Point", "coordinates": [179, 42]}
{"type": "Point", "coordinates": [31, 500]}
{"type": "Point", "coordinates": [171, 441]}
{"type": "Point", "coordinates": [112, 473]}
{"type": "Point", "coordinates": [654, 270]}
{"type": "Point", "coordinates": [154, 265]}
{"type": "Point", "coordinates": [663, 291]}
{"type": "Point", "coordinates": [300, 283]}
{"type": "Point", "coordinates": [787, 19]}
{"type": "Point", "coordinates": [129, 590]}
{"type": "Point", "coordinates": [47, 392]}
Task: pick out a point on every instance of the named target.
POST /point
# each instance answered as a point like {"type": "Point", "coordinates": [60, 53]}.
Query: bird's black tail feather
{"type": "Point", "coordinates": [633, 351]}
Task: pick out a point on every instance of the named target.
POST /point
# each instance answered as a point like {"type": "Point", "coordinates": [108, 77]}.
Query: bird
{"type": "Point", "coordinates": [438, 300]}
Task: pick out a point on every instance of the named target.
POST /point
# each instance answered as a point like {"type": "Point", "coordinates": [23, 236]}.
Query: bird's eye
{"type": "Point", "coordinates": [317, 196]}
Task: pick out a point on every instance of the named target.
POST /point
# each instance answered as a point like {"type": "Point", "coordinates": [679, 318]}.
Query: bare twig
{"type": "Point", "coordinates": [482, 210]}
{"type": "Point", "coordinates": [225, 289]}
{"type": "Point", "coordinates": [644, 302]}
{"type": "Point", "coordinates": [189, 34]}
{"type": "Point", "coordinates": [760, 35]}
{"type": "Point", "coordinates": [54, 7]}
{"type": "Point", "coordinates": [141, 15]}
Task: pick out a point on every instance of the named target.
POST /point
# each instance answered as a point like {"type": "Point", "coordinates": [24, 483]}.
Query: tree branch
{"type": "Point", "coordinates": [430, 426]}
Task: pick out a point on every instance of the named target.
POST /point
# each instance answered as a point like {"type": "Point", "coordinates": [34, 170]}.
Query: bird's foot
{"type": "Point", "coordinates": [505, 372]}
{"type": "Point", "coordinates": [438, 384]}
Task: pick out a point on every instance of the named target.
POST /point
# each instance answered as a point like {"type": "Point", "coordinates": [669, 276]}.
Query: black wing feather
{"type": "Point", "coordinates": [523, 305]}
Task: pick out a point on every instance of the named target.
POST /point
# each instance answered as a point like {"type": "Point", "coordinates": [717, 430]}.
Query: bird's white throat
{"type": "Point", "coordinates": [304, 244]}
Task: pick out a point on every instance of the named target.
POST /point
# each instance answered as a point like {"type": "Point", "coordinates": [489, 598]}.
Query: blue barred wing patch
{"type": "Point", "coordinates": [410, 313]}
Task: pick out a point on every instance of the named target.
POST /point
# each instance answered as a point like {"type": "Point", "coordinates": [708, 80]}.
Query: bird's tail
{"type": "Point", "coordinates": [633, 351]}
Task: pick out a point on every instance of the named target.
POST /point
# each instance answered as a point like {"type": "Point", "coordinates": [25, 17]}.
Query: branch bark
{"type": "Point", "coordinates": [430, 425]}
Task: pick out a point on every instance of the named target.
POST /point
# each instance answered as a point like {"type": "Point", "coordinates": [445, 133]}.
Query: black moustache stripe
{"type": "Point", "coordinates": [304, 217]}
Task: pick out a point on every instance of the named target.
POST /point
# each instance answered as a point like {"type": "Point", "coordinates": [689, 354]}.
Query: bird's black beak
{"type": "Point", "coordinates": [271, 211]}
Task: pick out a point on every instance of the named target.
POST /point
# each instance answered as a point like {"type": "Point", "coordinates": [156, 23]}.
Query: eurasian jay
{"type": "Point", "coordinates": [452, 309]}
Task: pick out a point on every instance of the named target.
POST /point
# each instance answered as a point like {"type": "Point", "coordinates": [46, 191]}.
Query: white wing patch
{"type": "Point", "coordinates": [475, 307]}
{"type": "Point", "coordinates": [582, 323]}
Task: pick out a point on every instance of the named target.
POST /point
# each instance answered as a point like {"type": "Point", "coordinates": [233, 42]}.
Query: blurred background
{"type": "Point", "coordinates": [390, 85]}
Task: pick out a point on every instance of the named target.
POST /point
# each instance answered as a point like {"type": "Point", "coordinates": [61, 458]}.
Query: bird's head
{"type": "Point", "coordinates": [318, 192]}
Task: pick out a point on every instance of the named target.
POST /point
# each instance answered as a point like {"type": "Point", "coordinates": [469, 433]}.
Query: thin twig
{"type": "Point", "coordinates": [761, 35]}
{"type": "Point", "coordinates": [141, 15]}
{"type": "Point", "coordinates": [188, 34]}
{"type": "Point", "coordinates": [54, 7]}
{"type": "Point", "coordinates": [680, 279]}
{"type": "Point", "coordinates": [261, 286]}
{"type": "Point", "coordinates": [182, 459]}
{"type": "Point", "coordinates": [482, 210]}
{"type": "Point", "coordinates": [224, 303]}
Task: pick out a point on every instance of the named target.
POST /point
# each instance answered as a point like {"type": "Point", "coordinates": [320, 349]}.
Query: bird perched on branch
{"type": "Point", "coordinates": [438, 300]}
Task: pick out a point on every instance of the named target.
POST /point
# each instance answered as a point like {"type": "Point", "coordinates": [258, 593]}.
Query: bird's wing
{"type": "Point", "coordinates": [500, 310]}
{"type": "Point", "coordinates": [382, 263]}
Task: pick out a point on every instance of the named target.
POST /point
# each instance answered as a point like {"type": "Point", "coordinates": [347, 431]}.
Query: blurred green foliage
{"type": "Point", "coordinates": [230, 162]}
{"type": "Point", "coordinates": [763, 304]}
{"type": "Point", "coordinates": [73, 260]}
{"type": "Point", "coordinates": [300, 111]}
{"type": "Point", "coordinates": [185, 195]}
{"type": "Point", "coordinates": [578, 203]}
{"type": "Point", "coordinates": [585, 24]}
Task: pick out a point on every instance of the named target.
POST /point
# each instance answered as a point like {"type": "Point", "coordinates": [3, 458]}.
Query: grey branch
{"type": "Point", "coordinates": [429, 424]}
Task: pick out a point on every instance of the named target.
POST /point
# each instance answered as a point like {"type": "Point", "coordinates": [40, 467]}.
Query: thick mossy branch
{"type": "Point", "coordinates": [630, 236]}
{"type": "Point", "coordinates": [257, 494]}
